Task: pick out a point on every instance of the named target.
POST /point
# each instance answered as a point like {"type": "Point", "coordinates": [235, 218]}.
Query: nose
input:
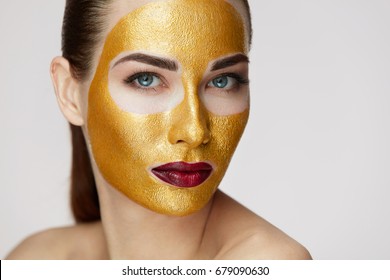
{"type": "Point", "coordinates": [189, 123]}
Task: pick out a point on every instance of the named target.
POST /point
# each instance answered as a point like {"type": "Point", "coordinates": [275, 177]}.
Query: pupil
{"type": "Point", "coordinates": [220, 82]}
{"type": "Point", "coordinates": [145, 80]}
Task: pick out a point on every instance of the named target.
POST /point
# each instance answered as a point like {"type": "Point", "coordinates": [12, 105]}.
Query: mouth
{"type": "Point", "coordinates": [182, 174]}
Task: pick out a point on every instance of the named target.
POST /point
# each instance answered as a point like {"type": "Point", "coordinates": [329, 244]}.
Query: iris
{"type": "Point", "coordinates": [220, 82]}
{"type": "Point", "coordinates": [145, 80]}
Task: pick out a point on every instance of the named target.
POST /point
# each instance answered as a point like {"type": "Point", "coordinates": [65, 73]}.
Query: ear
{"type": "Point", "coordinates": [67, 90]}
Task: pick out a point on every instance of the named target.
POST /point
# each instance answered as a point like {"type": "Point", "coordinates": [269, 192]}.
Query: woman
{"type": "Point", "coordinates": [157, 96]}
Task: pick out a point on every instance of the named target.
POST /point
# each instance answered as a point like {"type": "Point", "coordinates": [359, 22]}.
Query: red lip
{"type": "Point", "coordinates": [183, 174]}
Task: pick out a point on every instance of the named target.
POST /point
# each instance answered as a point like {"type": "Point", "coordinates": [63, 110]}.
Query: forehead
{"type": "Point", "coordinates": [188, 30]}
{"type": "Point", "coordinates": [120, 8]}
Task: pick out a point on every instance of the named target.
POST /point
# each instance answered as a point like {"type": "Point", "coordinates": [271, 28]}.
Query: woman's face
{"type": "Point", "coordinates": [169, 102]}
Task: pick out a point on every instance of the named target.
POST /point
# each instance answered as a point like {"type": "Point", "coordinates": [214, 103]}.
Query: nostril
{"type": "Point", "coordinates": [189, 129]}
{"type": "Point", "coordinates": [206, 137]}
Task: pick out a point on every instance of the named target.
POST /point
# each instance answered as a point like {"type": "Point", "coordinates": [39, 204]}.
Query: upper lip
{"type": "Point", "coordinates": [184, 167]}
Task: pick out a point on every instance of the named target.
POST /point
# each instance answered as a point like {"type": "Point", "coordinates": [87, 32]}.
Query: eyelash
{"type": "Point", "coordinates": [237, 84]}
{"type": "Point", "coordinates": [240, 79]}
{"type": "Point", "coordinates": [130, 80]}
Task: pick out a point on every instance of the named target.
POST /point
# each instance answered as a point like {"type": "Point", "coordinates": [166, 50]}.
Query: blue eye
{"type": "Point", "coordinates": [220, 82]}
{"type": "Point", "coordinates": [144, 80]}
{"type": "Point", "coordinates": [147, 80]}
{"type": "Point", "coordinates": [228, 81]}
{"type": "Point", "coordinates": [225, 82]}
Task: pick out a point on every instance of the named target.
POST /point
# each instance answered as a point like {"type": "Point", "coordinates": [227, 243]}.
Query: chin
{"type": "Point", "coordinates": [180, 205]}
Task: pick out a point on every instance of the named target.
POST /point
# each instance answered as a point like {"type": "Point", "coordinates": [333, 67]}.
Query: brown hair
{"type": "Point", "coordinates": [81, 32]}
{"type": "Point", "coordinates": [83, 26]}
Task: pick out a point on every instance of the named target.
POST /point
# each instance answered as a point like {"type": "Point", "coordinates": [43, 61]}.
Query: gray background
{"type": "Point", "coordinates": [314, 160]}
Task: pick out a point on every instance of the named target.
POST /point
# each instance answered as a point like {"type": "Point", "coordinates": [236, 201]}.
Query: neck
{"type": "Point", "coordinates": [134, 232]}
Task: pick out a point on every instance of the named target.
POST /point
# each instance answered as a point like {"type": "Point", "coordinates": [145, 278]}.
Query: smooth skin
{"type": "Point", "coordinates": [223, 229]}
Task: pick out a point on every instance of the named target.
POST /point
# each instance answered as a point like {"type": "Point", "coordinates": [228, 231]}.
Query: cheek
{"type": "Point", "coordinates": [227, 103]}
{"type": "Point", "coordinates": [145, 103]}
{"type": "Point", "coordinates": [124, 146]}
{"type": "Point", "coordinates": [123, 138]}
{"type": "Point", "coordinates": [226, 133]}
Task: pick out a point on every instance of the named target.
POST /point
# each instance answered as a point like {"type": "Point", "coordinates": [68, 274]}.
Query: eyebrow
{"type": "Point", "coordinates": [229, 61]}
{"type": "Point", "coordinates": [149, 59]}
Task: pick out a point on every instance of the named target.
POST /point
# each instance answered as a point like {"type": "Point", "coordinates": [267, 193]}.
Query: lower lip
{"type": "Point", "coordinates": [183, 175]}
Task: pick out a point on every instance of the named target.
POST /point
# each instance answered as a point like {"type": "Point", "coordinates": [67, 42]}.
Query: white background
{"type": "Point", "coordinates": [315, 157]}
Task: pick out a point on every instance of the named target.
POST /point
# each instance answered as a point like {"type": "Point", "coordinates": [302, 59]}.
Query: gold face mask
{"type": "Point", "coordinates": [167, 144]}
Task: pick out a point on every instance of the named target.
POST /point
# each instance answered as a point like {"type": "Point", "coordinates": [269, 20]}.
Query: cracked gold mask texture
{"type": "Point", "coordinates": [126, 144]}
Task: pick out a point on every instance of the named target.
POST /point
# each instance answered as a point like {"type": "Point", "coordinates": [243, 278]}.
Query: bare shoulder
{"type": "Point", "coordinates": [257, 245]}
{"type": "Point", "coordinates": [252, 237]}
{"type": "Point", "coordinates": [83, 241]}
